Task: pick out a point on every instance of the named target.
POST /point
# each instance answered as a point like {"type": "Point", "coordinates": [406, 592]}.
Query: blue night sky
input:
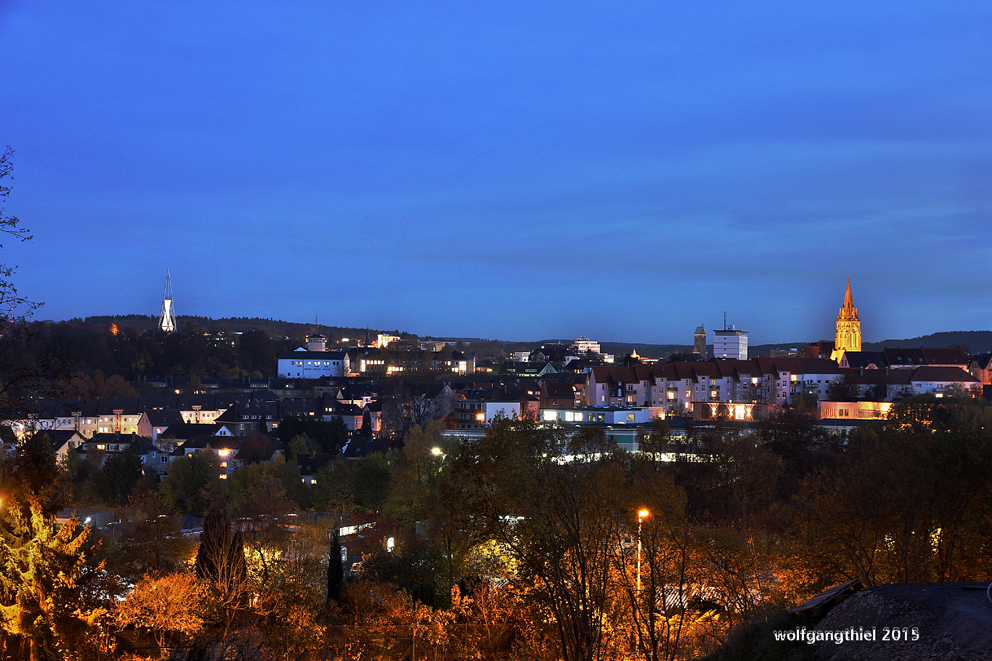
{"type": "Point", "coordinates": [524, 170]}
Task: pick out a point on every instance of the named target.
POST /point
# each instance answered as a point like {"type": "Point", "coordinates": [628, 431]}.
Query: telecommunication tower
{"type": "Point", "coordinates": [167, 321]}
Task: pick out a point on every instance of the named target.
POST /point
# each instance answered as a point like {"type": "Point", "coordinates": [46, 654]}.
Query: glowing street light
{"type": "Point", "coordinates": [436, 451]}
{"type": "Point", "coordinates": [641, 515]}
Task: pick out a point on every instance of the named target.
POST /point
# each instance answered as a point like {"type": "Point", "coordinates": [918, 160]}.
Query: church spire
{"type": "Point", "coordinates": [848, 337]}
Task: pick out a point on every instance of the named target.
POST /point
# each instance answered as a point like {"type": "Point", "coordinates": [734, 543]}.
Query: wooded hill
{"type": "Point", "coordinates": [274, 327]}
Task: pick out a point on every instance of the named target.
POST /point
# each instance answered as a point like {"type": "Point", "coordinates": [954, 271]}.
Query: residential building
{"type": "Point", "coordinates": [980, 367]}
{"type": "Point", "coordinates": [730, 343]}
{"type": "Point", "coordinates": [478, 413]}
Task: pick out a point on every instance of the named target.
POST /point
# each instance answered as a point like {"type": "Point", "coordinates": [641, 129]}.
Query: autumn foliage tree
{"type": "Point", "coordinates": [173, 604]}
{"type": "Point", "coordinates": [43, 576]}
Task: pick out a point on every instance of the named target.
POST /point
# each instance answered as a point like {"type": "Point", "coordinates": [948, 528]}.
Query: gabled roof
{"type": "Point", "coordinates": [361, 447]}
{"type": "Point", "coordinates": [943, 374]}
{"type": "Point", "coordinates": [558, 389]}
{"type": "Point", "coordinates": [347, 409]}
{"type": "Point", "coordinates": [898, 356]}
{"type": "Point", "coordinates": [107, 405]}
{"type": "Point", "coordinates": [164, 418]}
{"type": "Point", "coordinates": [299, 405]}
{"type": "Point", "coordinates": [981, 361]}
{"type": "Point", "coordinates": [945, 356]}
{"type": "Point", "coordinates": [182, 430]}
{"type": "Point", "coordinates": [215, 442]}
{"type": "Point", "coordinates": [311, 464]}
{"type": "Point", "coordinates": [138, 444]}
{"type": "Point", "coordinates": [818, 366]}
{"type": "Point", "coordinates": [59, 437]}
{"type": "Point", "coordinates": [252, 410]}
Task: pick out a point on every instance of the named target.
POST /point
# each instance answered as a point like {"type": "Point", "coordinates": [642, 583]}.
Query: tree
{"type": "Point", "coordinates": [31, 475]}
{"type": "Point", "coordinates": [183, 488]}
{"type": "Point", "coordinates": [908, 502]}
{"type": "Point", "coordinates": [258, 498]}
{"type": "Point", "coordinates": [220, 560]}
{"type": "Point", "coordinates": [43, 573]}
{"type": "Point", "coordinates": [173, 603]}
{"type": "Point", "coordinates": [10, 225]}
{"type": "Point", "coordinates": [335, 570]}
{"type": "Point", "coordinates": [328, 437]}
{"type": "Point", "coordinates": [557, 519]}
{"type": "Point", "coordinates": [153, 547]}
{"type": "Point", "coordinates": [416, 566]}
{"type": "Point", "coordinates": [256, 448]}
{"type": "Point", "coordinates": [220, 557]}
{"type": "Point", "coordinates": [120, 473]}
{"type": "Point", "coordinates": [372, 481]}
{"type": "Point", "coordinates": [843, 390]}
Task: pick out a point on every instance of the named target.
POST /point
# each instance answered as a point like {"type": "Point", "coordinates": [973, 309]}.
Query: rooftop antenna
{"type": "Point", "coordinates": [724, 320]}
{"type": "Point", "coordinates": [167, 320]}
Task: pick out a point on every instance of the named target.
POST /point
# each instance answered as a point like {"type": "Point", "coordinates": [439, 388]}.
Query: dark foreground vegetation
{"type": "Point", "coordinates": [527, 543]}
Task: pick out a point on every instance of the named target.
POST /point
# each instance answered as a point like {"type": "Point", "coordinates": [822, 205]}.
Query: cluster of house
{"type": "Point", "coordinates": [317, 360]}
{"type": "Point", "coordinates": [565, 384]}
{"type": "Point", "coordinates": [161, 428]}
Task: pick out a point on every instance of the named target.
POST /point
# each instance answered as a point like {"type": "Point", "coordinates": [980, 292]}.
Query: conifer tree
{"type": "Point", "coordinates": [42, 572]}
{"type": "Point", "coordinates": [335, 570]}
{"type": "Point", "coordinates": [221, 556]}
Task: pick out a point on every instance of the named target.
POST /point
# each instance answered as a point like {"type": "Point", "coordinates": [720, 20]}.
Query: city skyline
{"type": "Point", "coordinates": [517, 172]}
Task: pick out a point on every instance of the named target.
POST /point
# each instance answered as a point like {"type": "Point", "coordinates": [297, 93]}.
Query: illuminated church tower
{"type": "Point", "coordinates": [167, 320]}
{"type": "Point", "coordinates": [848, 336]}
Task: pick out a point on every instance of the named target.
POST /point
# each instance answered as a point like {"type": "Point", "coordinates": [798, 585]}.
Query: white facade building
{"type": "Point", "coordinates": [730, 343]}
{"type": "Point", "coordinates": [303, 364]}
{"type": "Point", "coordinates": [583, 344]}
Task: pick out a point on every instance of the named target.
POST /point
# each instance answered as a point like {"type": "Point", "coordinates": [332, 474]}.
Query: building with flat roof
{"type": "Point", "coordinates": [730, 343]}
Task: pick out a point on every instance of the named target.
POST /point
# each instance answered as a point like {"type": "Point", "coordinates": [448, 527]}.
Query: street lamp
{"type": "Point", "coordinates": [436, 452]}
{"type": "Point", "coordinates": [641, 515]}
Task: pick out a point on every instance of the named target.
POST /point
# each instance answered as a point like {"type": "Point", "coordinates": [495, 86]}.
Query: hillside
{"type": "Point", "coordinates": [975, 342]}
{"type": "Point", "coordinates": [274, 327]}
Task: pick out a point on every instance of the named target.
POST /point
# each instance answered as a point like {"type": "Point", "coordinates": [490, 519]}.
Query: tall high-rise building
{"type": "Point", "coordinates": [848, 337]}
{"type": "Point", "coordinates": [167, 320]}
{"type": "Point", "coordinates": [699, 346]}
{"type": "Point", "coordinates": [729, 342]}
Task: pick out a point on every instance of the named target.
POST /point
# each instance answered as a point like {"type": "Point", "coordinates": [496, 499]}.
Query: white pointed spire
{"type": "Point", "coordinates": [167, 320]}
